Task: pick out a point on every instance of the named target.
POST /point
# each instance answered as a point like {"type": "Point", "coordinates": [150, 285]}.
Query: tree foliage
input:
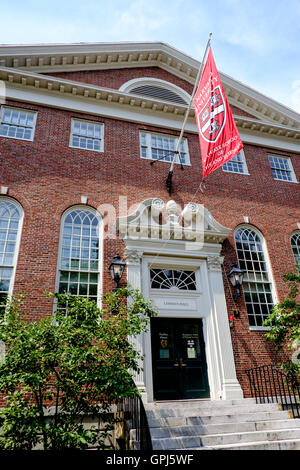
{"type": "Point", "coordinates": [60, 369]}
{"type": "Point", "coordinates": [284, 323]}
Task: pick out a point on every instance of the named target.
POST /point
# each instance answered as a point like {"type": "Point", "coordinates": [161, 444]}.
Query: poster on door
{"type": "Point", "coordinates": [192, 347]}
{"type": "Point", "coordinates": [164, 352]}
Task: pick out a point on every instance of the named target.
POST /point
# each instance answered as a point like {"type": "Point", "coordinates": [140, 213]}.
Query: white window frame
{"type": "Point", "coordinates": [172, 289]}
{"type": "Point", "coordinates": [290, 169]}
{"type": "Point", "coordinates": [24, 110]}
{"type": "Point", "coordinates": [100, 257]}
{"type": "Point", "coordinates": [242, 163]}
{"type": "Point", "coordinates": [100, 124]}
{"type": "Point", "coordinates": [158, 134]}
{"type": "Point", "coordinates": [17, 245]}
{"type": "Point", "coordinates": [270, 280]}
{"type": "Point", "coordinates": [135, 82]}
{"type": "Point", "coordinates": [297, 233]}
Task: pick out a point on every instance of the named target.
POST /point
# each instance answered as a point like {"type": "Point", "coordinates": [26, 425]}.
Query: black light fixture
{"type": "Point", "coordinates": [116, 269]}
{"type": "Point", "coordinates": [236, 278]}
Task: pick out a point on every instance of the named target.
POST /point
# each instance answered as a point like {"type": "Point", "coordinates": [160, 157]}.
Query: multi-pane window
{"type": "Point", "coordinates": [162, 147]}
{"type": "Point", "coordinates": [237, 164]}
{"type": "Point", "coordinates": [10, 224]}
{"type": "Point", "coordinates": [173, 279]}
{"type": "Point", "coordinates": [282, 168]}
{"type": "Point", "coordinates": [295, 243]}
{"type": "Point", "coordinates": [79, 253]}
{"type": "Point", "coordinates": [256, 285]}
{"type": "Point", "coordinates": [17, 123]}
{"type": "Point", "coordinates": [87, 135]}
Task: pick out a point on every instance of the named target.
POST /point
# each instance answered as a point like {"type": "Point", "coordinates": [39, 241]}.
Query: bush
{"type": "Point", "coordinates": [76, 363]}
{"type": "Point", "coordinates": [284, 324]}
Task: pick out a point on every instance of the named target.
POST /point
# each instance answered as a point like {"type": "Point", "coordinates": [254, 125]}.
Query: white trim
{"type": "Point", "coordinates": [297, 266]}
{"type": "Point", "coordinates": [46, 58]}
{"type": "Point", "coordinates": [154, 114]}
{"type": "Point", "coordinates": [208, 302]}
{"type": "Point", "coordinates": [100, 124]}
{"type": "Point", "coordinates": [128, 86]}
{"type": "Point", "coordinates": [18, 241]}
{"type": "Point", "coordinates": [162, 135]}
{"type": "Point", "coordinates": [244, 165]}
{"type": "Point", "coordinates": [24, 110]}
{"type": "Point", "coordinates": [100, 251]}
{"type": "Point", "coordinates": [268, 265]}
{"type": "Point", "coordinates": [291, 169]}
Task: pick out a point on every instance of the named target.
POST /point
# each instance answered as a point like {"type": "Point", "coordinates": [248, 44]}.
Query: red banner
{"type": "Point", "coordinates": [218, 135]}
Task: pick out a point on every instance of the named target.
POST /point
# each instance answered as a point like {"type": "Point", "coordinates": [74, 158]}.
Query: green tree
{"type": "Point", "coordinates": [284, 324]}
{"type": "Point", "coordinates": [57, 370]}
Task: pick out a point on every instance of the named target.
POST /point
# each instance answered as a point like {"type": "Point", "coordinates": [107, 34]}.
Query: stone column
{"type": "Point", "coordinates": [133, 261]}
{"type": "Point", "coordinates": [230, 387]}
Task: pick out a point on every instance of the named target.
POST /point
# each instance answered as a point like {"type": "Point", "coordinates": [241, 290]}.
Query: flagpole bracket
{"type": "Point", "coordinates": [169, 182]}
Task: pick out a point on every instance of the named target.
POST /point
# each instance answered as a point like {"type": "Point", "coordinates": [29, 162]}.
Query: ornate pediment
{"type": "Point", "coordinates": [156, 220]}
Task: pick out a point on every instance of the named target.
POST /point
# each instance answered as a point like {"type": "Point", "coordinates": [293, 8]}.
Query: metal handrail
{"type": "Point", "coordinates": [269, 385]}
{"type": "Point", "coordinates": [136, 419]}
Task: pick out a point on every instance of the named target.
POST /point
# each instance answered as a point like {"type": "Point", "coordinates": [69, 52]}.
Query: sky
{"type": "Point", "coordinates": [254, 41]}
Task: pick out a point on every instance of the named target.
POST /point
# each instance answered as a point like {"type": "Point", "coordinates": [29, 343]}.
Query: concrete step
{"type": "Point", "coordinates": [225, 424]}
{"type": "Point", "coordinates": [289, 444]}
{"type": "Point", "coordinates": [216, 419]}
{"type": "Point", "coordinates": [201, 403]}
{"type": "Point", "coordinates": [213, 440]}
{"type": "Point", "coordinates": [222, 428]}
{"type": "Point", "coordinates": [194, 411]}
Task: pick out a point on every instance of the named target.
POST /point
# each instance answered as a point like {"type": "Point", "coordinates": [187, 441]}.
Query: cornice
{"type": "Point", "coordinates": [51, 58]}
{"type": "Point", "coordinates": [199, 225]}
{"type": "Point", "coordinates": [79, 96]}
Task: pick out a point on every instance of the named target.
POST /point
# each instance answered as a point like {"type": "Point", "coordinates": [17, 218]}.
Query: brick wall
{"type": "Point", "coordinates": [117, 77]}
{"type": "Point", "coordinates": [47, 177]}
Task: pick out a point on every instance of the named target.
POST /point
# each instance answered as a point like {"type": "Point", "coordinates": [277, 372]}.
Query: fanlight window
{"type": "Point", "coordinates": [172, 279]}
{"type": "Point", "coordinates": [256, 285]}
{"type": "Point", "coordinates": [295, 243]}
{"type": "Point", "coordinates": [10, 217]}
{"type": "Point", "coordinates": [79, 256]}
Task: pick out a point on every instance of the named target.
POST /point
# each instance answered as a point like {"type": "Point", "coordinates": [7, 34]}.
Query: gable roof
{"type": "Point", "coordinates": [24, 66]}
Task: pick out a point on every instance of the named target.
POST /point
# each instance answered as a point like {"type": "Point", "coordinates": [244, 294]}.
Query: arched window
{"type": "Point", "coordinates": [257, 284]}
{"type": "Point", "coordinates": [157, 89]}
{"type": "Point", "coordinates": [11, 217]}
{"type": "Point", "coordinates": [173, 279]}
{"type": "Point", "coordinates": [80, 253]}
{"type": "Point", "coordinates": [295, 244]}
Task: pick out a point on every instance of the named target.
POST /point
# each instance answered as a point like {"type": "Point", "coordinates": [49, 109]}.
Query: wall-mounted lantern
{"type": "Point", "coordinates": [116, 269]}
{"type": "Point", "coordinates": [236, 278]}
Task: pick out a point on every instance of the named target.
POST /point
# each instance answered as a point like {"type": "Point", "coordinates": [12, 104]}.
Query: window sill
{"type": "Point", "coordinates": [16, 138]}
{"type": "Point", "coordinates": [286, 181]}
{"type": "Point", "coordinates": [88, 150]}
{"type": "Point", "coordinates": [164, 161]}
{"type": "Point", "coordinates": [259, 328]}
{"type": "Point", "coordinates": [236, 172]}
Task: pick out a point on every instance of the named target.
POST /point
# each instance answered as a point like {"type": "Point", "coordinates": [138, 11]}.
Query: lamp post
{"type": "Point", "coordinates": [236, 278]}
{"type": "Point", "coordinates": [116, 270]}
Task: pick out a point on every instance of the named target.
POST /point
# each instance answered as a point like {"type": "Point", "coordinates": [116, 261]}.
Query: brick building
{"type": "Point", "coordinates": [80, 124]}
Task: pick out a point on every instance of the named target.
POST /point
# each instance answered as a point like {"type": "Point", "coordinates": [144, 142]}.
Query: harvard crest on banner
{"type": "Point", "coordinates": [218, 135]}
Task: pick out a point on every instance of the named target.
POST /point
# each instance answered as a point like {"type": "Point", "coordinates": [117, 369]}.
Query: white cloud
{"type": "Point", "coordinates": [141, 20]}
{"type": "Point", "coordinates": [295, 96]}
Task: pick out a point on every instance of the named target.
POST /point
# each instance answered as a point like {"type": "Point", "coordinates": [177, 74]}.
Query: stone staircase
{"type": "Point", "coordinates": [222, 425]}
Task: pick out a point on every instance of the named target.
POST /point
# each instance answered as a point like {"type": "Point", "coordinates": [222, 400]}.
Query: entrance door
{"type": "Point", "coordinates": [178, 358]}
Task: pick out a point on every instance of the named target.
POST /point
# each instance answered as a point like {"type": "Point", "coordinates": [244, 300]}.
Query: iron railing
{"type": "Point", "coordinates": [268, 384]}
{"type": "Point", "coordinates": [135, 416]}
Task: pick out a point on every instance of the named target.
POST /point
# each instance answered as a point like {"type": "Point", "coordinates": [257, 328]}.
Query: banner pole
{"type": "Point", "coordinates": [169, 178]}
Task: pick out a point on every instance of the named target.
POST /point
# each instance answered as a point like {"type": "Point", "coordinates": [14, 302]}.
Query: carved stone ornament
{"type": "Point", "coordinates": [214, 263]}
{"type": "Point", "coordinates": [133, 256]}
{"type": "Point", "coordinates": [173, 212]}
{"type": "Point", "coordinates": [198, 223]}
